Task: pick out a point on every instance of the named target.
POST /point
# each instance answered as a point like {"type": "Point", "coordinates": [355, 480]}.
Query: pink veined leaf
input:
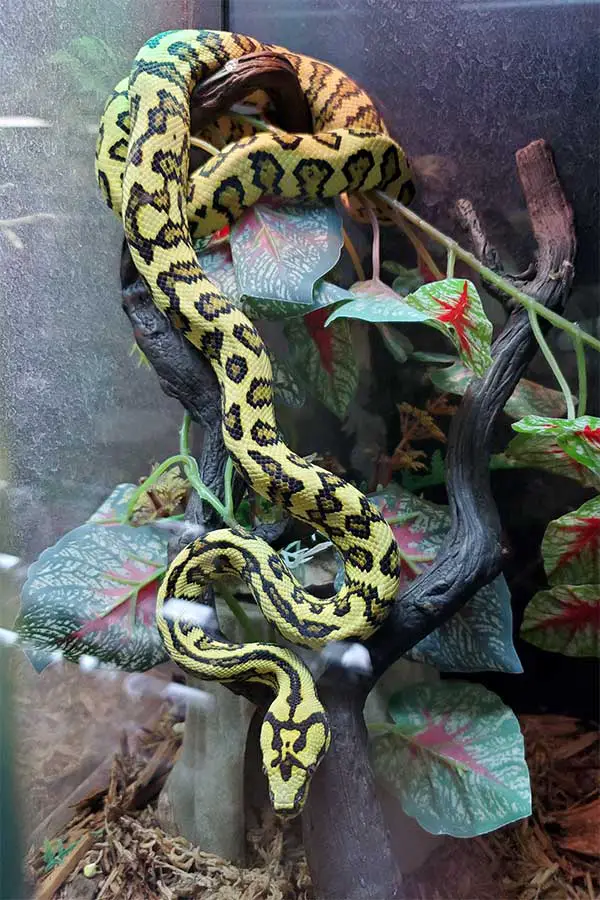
{"type": "Point", "coordinates": [280, 251]}
{"type": "Point", "coordinates": [454, 757]}
{"type": "Point", "coordinates": [477, 638]}
{"type": "Point", "coordinates": [114, 508]}
{"type": "Point", "coordinates": [123, 614]}
{"type": "Point", "coordinates": [94, 592]}
{"type": "Point", "coordinates": [438, 737]}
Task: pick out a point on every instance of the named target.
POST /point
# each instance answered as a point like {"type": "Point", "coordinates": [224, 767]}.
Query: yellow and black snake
{"type": "Point", "coordinates": [142, 170]}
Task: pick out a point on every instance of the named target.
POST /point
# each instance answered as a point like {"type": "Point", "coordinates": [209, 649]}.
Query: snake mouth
{"type": "Point", "coordinates": [290, 808]}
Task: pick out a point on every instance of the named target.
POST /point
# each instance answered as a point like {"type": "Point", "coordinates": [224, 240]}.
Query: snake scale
{"type": "Point", "coordinates": [142, 164]}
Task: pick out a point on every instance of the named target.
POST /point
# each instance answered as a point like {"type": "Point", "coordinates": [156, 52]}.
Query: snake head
{"type": "Point", "coordinates": [292, 749]}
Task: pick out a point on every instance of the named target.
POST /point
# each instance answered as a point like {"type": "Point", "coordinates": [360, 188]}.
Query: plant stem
{"type": "Point", "coordinates": [549, 356]}
{"type": "Point", "coordinates": [352, 253]}
{"type": "Point", "coordinates": [204, 145]}
{"type": "Point", "coordinates": [190, 467]}
{"type": "Point", "coordinates": [228, 479]}
{"type": "Point", "coordinates": [255, 122]}
{"type": "Point", "coordinates": [423, 254]}
{"type": "Point", "coordinates": [581, 375]}
{"type": "Point", "coordinates": [184, 435]}
{"type": "Point", "coordinates": [250, 633]}
{"type": "Point", "coordinates": [489, 275]}
{"type": "Point", "coordinates": [450, 263]}
{"type": "Point", "coordinates": [457, 251]}
{"type": "Point", "coordinates": [376, 238]}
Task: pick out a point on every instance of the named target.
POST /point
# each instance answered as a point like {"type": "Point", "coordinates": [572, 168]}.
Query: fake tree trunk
{"type": "Point", "coordinates": [350, 851]}
{"type": "Point", "coordinates": [203, 799]}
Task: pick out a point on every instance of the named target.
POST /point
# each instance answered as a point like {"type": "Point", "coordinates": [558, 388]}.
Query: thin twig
{"type": "Point", "coordinates": [550, 359]}
{"type": "Point", "coordinates": [581, 375]}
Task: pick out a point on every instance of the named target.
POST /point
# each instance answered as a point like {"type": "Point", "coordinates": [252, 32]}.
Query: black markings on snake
{"type": "Point", "coordinates": [236, 368]}
{"type": "Point", "coordinates": [264, 434]}
{"type": "Point", "coordinates": [232, 422]}
{"type": "Point", "coordinates": [260, 393]}
{"type": "Point", "coordinates": [312, 175]}
{"type": "Point", "coordinates": [357, 167]}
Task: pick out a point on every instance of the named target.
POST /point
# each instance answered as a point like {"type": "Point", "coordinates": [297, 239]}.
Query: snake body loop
{"type": "Point", "coordinates": [142, 170]}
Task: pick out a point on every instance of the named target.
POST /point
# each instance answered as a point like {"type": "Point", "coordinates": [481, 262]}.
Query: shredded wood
{"type": "Point", "coordinates": [119, 850]}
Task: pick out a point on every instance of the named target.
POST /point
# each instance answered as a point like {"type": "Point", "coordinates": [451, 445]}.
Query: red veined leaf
{"type": "Point", "coordinates": [565, 619]}
{"type": "Point", "coordinates": [542, 451]}
{"type": "Point", "coordinates": [571, 546]}
{"type": "Point", "coordinates": [323, 338]}
{"type": "Point", "coordinates": [452, 306]}
{"type": "Point", "coordinates": [455, 308]}
{"type": "Point", "coordinates": [454, 757]}
{"type": "Point", "coordinates": [579, 438]}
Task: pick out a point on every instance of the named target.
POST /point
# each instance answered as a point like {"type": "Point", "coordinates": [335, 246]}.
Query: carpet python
{"type": "Point", "coordinates": [142, 164]}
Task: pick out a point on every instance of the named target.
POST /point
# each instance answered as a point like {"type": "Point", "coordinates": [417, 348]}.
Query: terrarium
{"type": "Point", "coordinates": [300, 451]}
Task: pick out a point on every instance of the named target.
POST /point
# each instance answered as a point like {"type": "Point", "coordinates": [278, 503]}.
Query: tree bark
{"type": "Point", "coordinates": [346, 838]}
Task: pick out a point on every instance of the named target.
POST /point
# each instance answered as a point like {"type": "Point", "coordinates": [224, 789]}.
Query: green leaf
{"type": "Point", "coordinates": [398, 344]}
{"type": "Point", "coordinates": [455, 759]}
{"type": "Point", "coordinates": [565, 619]}
{"type": "Point", "coordinates": [281, 250]}
{"type": "Point", "coordinates": [452, 306]}
{"type": "Point", "coordinates": [376, 303]}
{"type": "Point", "coordinates": [571, 546]}
{"type": "Point", "coordinates": [479, 636]}
{"type": "Point", "coordinates": [54, 852]}
{"type": "Point", "coordinates": [579, 438]}
{"type": "Point", "coordinates": [435, 358]}
{"type": "Point", "coordinates": [94, 591]}
{"type": "Point", "coordinates": [542, 451]}
{"type": "Point", "coordinates": [329, 369]}
{"type": "Point", "coordinates": [406, 281]}
{"type": "Point", "coordinates": [324, 294]}
{"type": "Point", "coordinates": [286, 387]}
{"type": "Point", "coordinates": [528, 398]}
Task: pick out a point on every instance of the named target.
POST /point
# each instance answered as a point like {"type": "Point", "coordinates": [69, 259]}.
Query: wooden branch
{"type": "Point", "coordinates": [471, 555]}
{"type": "Point", "coordinates": [270, 73]}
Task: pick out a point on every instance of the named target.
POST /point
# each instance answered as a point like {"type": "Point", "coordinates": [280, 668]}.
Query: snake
{"type": "Point", "coordinates": [142, 169]}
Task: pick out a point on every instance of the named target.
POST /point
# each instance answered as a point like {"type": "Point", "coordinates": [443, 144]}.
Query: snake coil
{"type": "Point", "coordinates": [142, 170]}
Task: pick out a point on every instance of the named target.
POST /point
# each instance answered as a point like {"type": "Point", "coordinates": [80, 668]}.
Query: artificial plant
{"type": "Point", "coordinates": [448, 557]}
